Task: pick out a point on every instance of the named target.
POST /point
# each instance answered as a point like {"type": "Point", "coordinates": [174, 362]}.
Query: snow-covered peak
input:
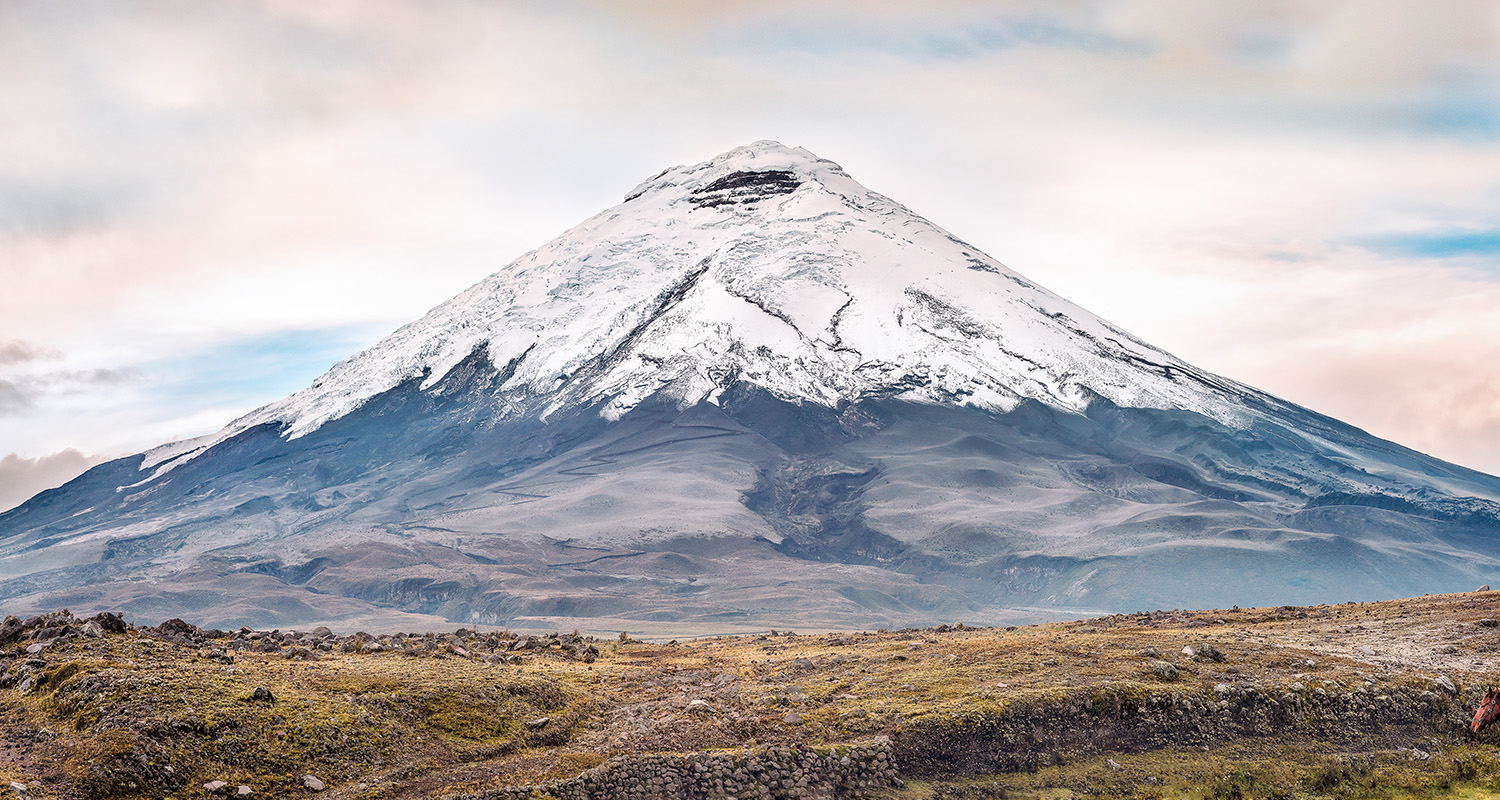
{"type": "Point", "coordinates": [765, 265]}
{"type": "Point", "coordinates": [765, 155]}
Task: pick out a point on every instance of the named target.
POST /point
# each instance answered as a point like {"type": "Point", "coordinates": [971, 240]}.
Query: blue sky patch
{"type": "Point", "coordinates": [944, 43]}
{"type": "Point", "coordinates": [1464, 117]}
{"type": "Point", "coordinates": [1437, 245]}
{"type": "Point", "coordinates": [261, 369]}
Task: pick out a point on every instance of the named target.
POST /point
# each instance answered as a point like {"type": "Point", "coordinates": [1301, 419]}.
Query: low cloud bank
{"type": "Point", "coordinates": [22, 478]}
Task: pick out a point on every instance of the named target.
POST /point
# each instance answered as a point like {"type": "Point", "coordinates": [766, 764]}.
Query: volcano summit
{"type": "Point", "coordinates": [754, 394]}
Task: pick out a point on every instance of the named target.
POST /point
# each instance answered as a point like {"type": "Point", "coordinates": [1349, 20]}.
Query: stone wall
{"type": "Point", "coordinates": [779, 773]}
{"type": "Point", "coordinates": [1135, 719]}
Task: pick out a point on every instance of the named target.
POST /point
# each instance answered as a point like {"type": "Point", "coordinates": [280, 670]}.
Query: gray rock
{"type": "Point", "coordinates": [792, 718]}
{"type": "Point", "coordinates": [539, 722]}
{"type": "Point", "coordinates": [19, 788]}
{"type": "Point", "coordinates": [1366, 650]}
{"type": "Point", "coordinates": [243, 791]}
{"type": "Point", "coordinates": [1446, 684]}
{"type": "Point", "coordinates": [701, 707]}
{"type": "Point", "coordinates": [313, 783]}
{"type": "Point", "coordinates": [1489, 622]}
{"type": "Point", "coordinates": [1165, 670]}
{"type": "Point", "coordinates": [1484, 588]}
{"type": "Point", "coordinates": [299, 654]}
{"type": "Point", "coordinates": [213, 787]}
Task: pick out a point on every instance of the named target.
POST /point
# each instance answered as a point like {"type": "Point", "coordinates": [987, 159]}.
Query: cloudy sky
{"type": "Point", "coordinates": [205, 205]}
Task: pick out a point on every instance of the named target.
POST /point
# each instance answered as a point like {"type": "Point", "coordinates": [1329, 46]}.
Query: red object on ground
{"type": "Point", "coordinates": [1489, 711]}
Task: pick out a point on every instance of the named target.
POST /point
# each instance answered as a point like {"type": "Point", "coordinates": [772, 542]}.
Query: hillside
{"type": "Point", "coordinates": [1352, 700]}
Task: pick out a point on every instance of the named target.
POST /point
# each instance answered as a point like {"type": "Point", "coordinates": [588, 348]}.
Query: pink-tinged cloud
{"type": "Point", "coordinates": [21, 478]}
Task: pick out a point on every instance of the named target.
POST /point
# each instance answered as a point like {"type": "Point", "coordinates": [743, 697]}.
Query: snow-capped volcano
{"type": "Point", "coordinates": [770, 266]}
{"type": "Point", "coordinates": [754, 393]}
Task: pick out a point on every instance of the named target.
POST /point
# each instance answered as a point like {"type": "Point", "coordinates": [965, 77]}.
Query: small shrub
{"type": "Point", "coordinates": [571, 763]}
{"type": "Point", "coordinates": [114, 764]}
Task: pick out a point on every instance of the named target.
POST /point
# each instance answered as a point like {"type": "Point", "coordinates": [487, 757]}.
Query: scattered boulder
{"type": "Point", "coordinates": [111, 623]}
{"type": "Point", "coordinates": [701, 707]}
{"type": "Point", "coordinates": [299, 654]}
{"type": "Point", "coordinates": [243, 791]}
{"type": "Point", "coordinates": [1446, 684]}
{"type": "Point", "coordinates": [792, 718]}
{"type": "Point", "coordinates": [539, 722]}
{"type": "Point", "coordinates": [11, 630]}
{"type": "Point", "coordinates": [1484, 588]}
{"type": "Point", "coordinates": [213, 787]}
{"type": "Point", "coordinates": [263, 694]}
{"type": "Point", "coordinates": [313, 783]}
{"type": "Point", "coordinates": [1208, 651]}
{"type": "Point", "coordinates": [176, 626]}
{"type": "Point", "coordinates": [1165, 670]}
{"type": "Point", "coordinates": [1489, 622]}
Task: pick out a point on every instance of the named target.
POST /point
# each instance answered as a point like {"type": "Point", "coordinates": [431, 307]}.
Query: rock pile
{"type": "Point", "coordinates": [494, 648]}
{"type": "Point", "coordinates": [505, 647]}
{"type": "Point", "coordinates": [23, 665]}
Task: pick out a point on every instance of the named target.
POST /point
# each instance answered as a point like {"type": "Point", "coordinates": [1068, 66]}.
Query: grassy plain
{"type": "Point", "coordinates": [1348, 701]}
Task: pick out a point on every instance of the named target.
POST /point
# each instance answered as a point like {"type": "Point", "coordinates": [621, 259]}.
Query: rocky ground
{"type": "Point", "coordinates": [1352, 700]}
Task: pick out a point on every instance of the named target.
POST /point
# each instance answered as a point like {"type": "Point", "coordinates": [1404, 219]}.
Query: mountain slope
{"type": "Point", "coordinates": [755, 393]}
